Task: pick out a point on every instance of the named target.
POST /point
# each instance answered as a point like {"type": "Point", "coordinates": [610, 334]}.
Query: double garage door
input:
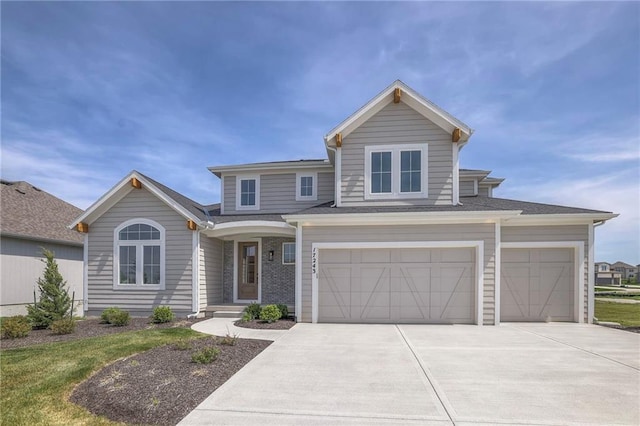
{"type": "Point", "coordinates": [412, 285]}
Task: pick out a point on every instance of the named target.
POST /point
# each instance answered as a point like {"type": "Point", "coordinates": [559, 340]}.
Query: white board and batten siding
{"type": "Point", "coordinates": [140, 203]}
{"type": "Point", "coordinates": [278, 192]}
{"type": "Point", "coordinates": [404, 233]}
{"type": "Point", "coordinates": [21, 265]}
{"type": "Point", "coordinates": [210, 279]}
{"type": "Point", "coordinates": [558, 233]}
{"type": "Point", "coordinates": [398, 124]}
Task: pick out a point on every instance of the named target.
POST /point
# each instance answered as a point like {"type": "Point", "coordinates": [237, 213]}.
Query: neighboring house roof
{"type": "Point", "coordinates": [31, 213]}
{"type": "Point", "coordinates": [620, 264]}
{"type": "Point", "coordinates": [277, 165]}
{"type": "Point", "coordinates": [422, 105]}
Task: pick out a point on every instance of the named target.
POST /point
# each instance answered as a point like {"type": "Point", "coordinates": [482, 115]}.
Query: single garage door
{"type": "Point", "coordinates": [413, 285]}
{"type": "Point", "coordinates": [537, 285]}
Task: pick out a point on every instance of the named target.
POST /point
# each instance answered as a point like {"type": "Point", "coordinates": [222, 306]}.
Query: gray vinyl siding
{"type": "Point", "coordinates": [278, 193]}
{"type": "Point", "coordinates": [21, 265]}
{"type": "Point", "coordinates": [513, 234]}
{"type": "Point", "coordinates": [398, 124]}
{"type": "Point", "coordinates": [391, 233]}
{"type": "Point", "coordinates": [483, 190]}
{"type": "Point", "coordinates": [140, 203]}
{"type": "Point", "coordinates": [467, 188]}
{"type": "Point", "coordinates": [210, 271]}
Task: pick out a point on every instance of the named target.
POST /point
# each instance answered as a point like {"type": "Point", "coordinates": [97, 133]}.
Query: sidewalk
{"type": "Point", "coordinates": [224, 326]}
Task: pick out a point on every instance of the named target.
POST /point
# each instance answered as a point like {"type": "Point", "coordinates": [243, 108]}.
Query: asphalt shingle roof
{"type": "Point", "coordinates": [29, 212]}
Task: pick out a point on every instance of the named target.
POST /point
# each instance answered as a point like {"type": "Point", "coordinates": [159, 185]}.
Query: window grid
{"type": "Point", "coordinates": [306, 186]}
{"type": "Point", "coordinates": [410, 171]}
{"type": "Point", "coordinates": [381, 172]}
{"type": "Point", "coordinates": [139, 253]}
{"type": "Point", "coordinates": [248, 192]}
{"type": "Point", "coordinates": [288, 253]}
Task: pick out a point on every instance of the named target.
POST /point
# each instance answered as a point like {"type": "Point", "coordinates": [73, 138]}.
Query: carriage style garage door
{"type": "Point", "coordinates": [537, 284]}
{"type": "Point", "coordinates": [397, 285]}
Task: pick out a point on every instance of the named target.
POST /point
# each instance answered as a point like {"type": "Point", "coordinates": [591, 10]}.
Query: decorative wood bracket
{"type": "Point", "coordinates": [396, 95]}
{"type": "Point", "coordinates": [456, 135]}
{"type": "Point", "coordinates": [136, 183]}
{"type": "Point", "coordinates": [339, 140]}
{"type": "Point", "coordinates": [82, 227]}
{"type": "Point", "coordinates": [192, 225]}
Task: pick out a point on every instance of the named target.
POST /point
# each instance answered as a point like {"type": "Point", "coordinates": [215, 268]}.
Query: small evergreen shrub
{"type": "Point", "coordinates": [106, 314]}
{"type": "Point", "coordinates": [119, 318]}
{"type": "Point", "coordinates": [284, 310]}
{"type": "Point", "coordinates": [63, 326]}
{"type": "Point", "coordinates": [54, 303]}
{"type": "Point", "coordinates": [253, 310]}
{"type": "Point", "coordinates": [205, 355]}
{"type": "Point", "coordinates": [162, 314]}
{"type": "Point", "coordinates": [15, 327]}
{"type": "Point", "coordinates": [270, 313]}
{"type": "Point", "coordinates": [246, 317]}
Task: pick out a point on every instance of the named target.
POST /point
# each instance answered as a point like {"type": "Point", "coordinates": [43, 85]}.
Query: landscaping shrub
{"type": "Point", "coordinates": [54, 303]}
{"type": "Point", "coordinates": [253, 310]}
{"type": "Point", "coordinates": [246, 317]}
{"type": "Point", "coordinates": [205, 355]}
{"type": "Point", "coordinates": [17, 326]}
{"type": "Point", "coordinates": [270, 313]}
{"type": "Point", "coordinates": [182, 345]}
{"type": "Point", "coordinates": [63, 326]}
{"type": "Point", "coordinates": [119, 318]}
{"type": "Point", "coordinates": [284, 310]}
{"type": "Point", "coordinates": [229, 339]}
{"type": "Point", "coordinates": [162, 314]}
{"type": "Point", "coordinates": [106, 314]}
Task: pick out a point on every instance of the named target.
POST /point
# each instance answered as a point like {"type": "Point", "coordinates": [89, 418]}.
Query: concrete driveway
{"type": "Point", "coordinates": [319, 374]}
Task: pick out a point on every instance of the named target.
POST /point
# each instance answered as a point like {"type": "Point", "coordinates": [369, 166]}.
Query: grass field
{"type": "Point", "coordinates": [627, 315]}
{"type": "Point", "coordinates": [37, 381]}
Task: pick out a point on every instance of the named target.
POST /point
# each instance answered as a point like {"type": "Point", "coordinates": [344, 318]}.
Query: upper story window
{"type": "Point", "coordinates": [306, 186]}
{"type": "Point", "coordinates": [396, 171]}
{"type": "Point", "coordinates": [139, 255]}
{"type": "Point", "coordinates": [248, 193]}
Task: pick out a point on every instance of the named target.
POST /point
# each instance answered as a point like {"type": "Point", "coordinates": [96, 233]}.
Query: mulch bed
{"type": "Point", "coordinates": [619, 327]}
{"type": "Point", "coordinates": [283, 324]}
{"type": "Point", "coordinates": [162, 385]}
{"type": "Point", "coordinates": [89, 328]}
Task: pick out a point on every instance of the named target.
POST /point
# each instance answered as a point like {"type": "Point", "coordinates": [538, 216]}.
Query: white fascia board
{"type": "Point", "coordinates": [409, 97]}
{"type": "Point", "coordinates": [119, 191]}
{"type": "Point", "coordinates": [558, 219]}
{"type": "Point", "coordinates": [405, 218]}
{"type": "Point", "coordinates": [269, 168]}
{"type": "Point", "coordinates": [251, 227]}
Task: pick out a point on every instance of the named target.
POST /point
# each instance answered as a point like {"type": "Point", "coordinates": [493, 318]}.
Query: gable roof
{"type": "Point", "coordinates": [184, 206]}
{"type": "Point", "coordinates": [29, 212]}
{"type": "Point", "coordinates": [621, 264]}
{"type": "Point", "coordinates": [422, 105]}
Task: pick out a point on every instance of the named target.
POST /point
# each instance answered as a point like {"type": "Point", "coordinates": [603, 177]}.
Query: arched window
{"type": "Point", "coordinates": [139, 255]}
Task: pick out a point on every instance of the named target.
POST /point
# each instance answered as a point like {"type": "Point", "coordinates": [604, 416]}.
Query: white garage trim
{"type": "Point", "coordinates": [496, 276]}
{"type": "Point", "coordinates": [591, 278]}
{"type": "Point", "coordinates": [478, 245]}
{"type": "Point", "coordinates": [298, 283]}
{"type": "Point", "coordinates": [578, 259]}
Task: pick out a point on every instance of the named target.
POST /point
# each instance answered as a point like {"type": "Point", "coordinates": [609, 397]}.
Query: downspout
{"type": "Point", "coordinates": [337, 174]}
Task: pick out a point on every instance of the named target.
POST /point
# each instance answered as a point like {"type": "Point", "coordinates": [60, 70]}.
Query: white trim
{"type": "Point", "coordinates": [396, 151]}
{"type": "Point", "coordinates": [139, 256]}
{"type": "Point", "coordinates": [591, 277]}
{"type": "Point", "coordinates": [497, 273]}
{"type": "Point", "coordinates": [235, 269]}
{"type": "Point", "coordinates": [221, 194]}
{"type": "Point", "coordinates": [85, 273]}
{"type": "Point", "coordinates": [456, 173]}
{"type": "Point", "coordinates": [266, 168]}
{"type": "Point", "coordinates": [558, 219]}
{"type": "Point", "coordinates": [338, 177]}
{"type": "Point", "coordinates": [475, 187]}
{"type": "Point", "coordinates": [195, 270]}
{"type": "Point", "coordinates": [490, 191]}
{"type": "Point", "coordinates": [294, 253]}
{"type": "Point", "coordinates": [239, 179]}
{"type": "Point", "coordinates": [251, 227]}
{"type": "Point", "coordinates": [314, 186]}
{"type": "Point", "coordinates": [298, 284]}
{"type": "Point", "coordinates": [578, 250]}
{"type": "Point", "coordinates": [478, 245]}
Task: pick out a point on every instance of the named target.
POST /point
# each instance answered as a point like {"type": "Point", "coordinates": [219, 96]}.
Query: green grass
{"type": "Point", "coordinates": [37, 381]}
{"type": "Point", "coordinates": [626, 314]}
{"type": "Point", "coordinates": [621, 296]}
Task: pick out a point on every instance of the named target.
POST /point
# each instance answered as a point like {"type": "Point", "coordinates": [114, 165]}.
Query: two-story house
{"type": "Point", "coordinates": [628, 272]}
{"type": "Point", "coordinates": [387, 229]}
{"type": "Point", "coordinates": [605, 275]}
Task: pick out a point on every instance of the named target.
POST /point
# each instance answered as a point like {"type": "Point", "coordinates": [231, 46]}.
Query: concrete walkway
{"type": "Point", "coordinates": [320, 374]}
{"type": "Point", "coordinates": [224, 326]}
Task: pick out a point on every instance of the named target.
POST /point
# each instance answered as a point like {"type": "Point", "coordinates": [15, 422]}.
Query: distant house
{"type": "Point", "coordinates": [605, 275]}
{"type": "Point", "coordinates": [31, 219]}
{"type": "Point", "coordinates": [627, 271]}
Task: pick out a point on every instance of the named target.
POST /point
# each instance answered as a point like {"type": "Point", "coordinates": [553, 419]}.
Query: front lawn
{"type": "Point", "coordinates": [626, 314]}
{"type": "Point", "coordinates": [36, 381]}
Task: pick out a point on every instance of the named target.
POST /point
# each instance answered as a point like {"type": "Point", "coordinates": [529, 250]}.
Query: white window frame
{"type": "Point", "coordinates": [294, 253]}
{"type": "Point", "coordinates": [139, 244]}
{"type": "Point", "coordinates": [239, 179]}
{"type": "Point", "coordinates": [395, 171]}
{"type": "Point", "coordinates": [314, 186]}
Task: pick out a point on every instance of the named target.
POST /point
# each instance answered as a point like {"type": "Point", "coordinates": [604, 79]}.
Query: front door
{"type": "Point", "coordinates": [248, 271]}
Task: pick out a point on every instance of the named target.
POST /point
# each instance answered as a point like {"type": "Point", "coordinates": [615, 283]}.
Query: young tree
{"type": "Point", "coordinates": [54, 303]}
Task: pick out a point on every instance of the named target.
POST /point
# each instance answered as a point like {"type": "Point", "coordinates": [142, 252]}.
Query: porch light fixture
{"type": "Point", "coordinates": [271, 255]}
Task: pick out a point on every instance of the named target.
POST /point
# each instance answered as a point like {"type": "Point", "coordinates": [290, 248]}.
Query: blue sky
{"type": "Point", "coordinates": [91, 91]}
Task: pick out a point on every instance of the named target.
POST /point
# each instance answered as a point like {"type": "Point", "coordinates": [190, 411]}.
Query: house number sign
{"type": "Point", "coordinates": [314, 261]}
